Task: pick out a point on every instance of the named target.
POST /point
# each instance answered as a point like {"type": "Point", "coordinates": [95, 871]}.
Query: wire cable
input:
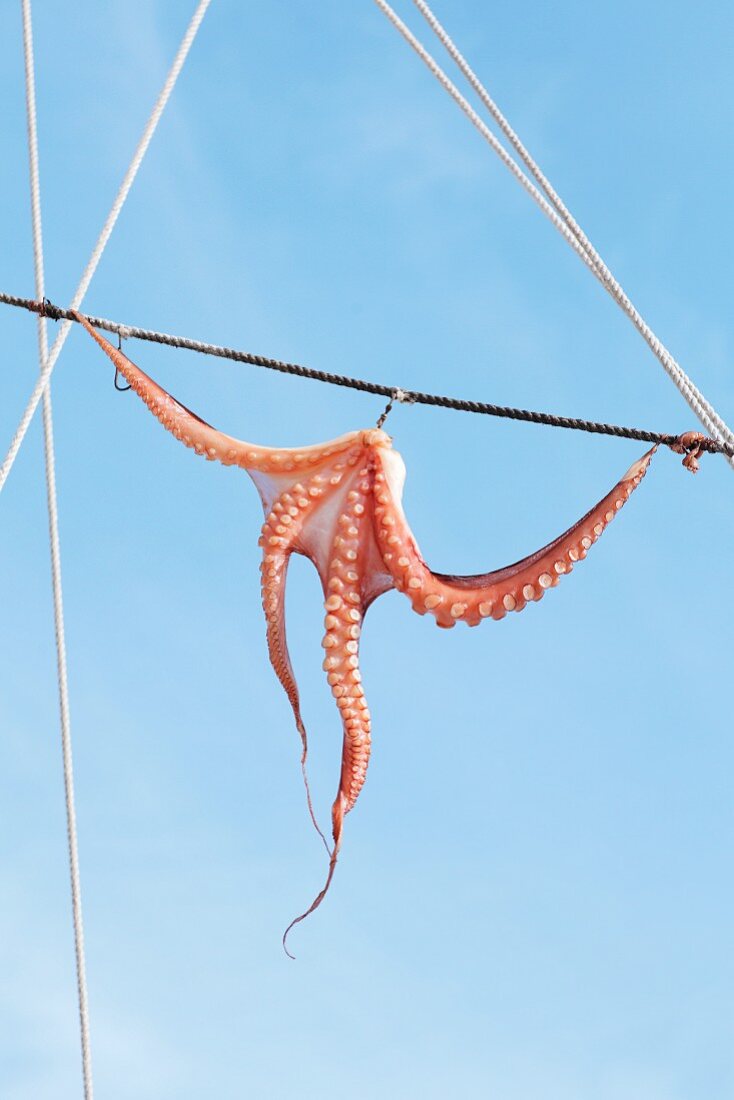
{"type": "Point", "coordinates": [396, 393]}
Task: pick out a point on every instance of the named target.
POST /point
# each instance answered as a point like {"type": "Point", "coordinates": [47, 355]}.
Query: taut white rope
{"type": "Point", "coordinates": [104, 236]}
{"type": "Point", "coordinates": [553, 207]}
{"type": "Point", "coordinates": [53, 525]}
{"type": "Point", "coordinates": [607, 280]}
{"type": "Point", "coordinates": [504, 125]}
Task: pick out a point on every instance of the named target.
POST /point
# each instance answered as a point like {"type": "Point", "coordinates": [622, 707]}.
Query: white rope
{"type": "Point", "coordinates": [53, 525]}
{"type": "Point", "coordinates": [607, 280]}
{"type": "Point", "coordinates": [104, 236]}
{"type": "Point", "coordinates": [506, 129]}
{"type": "Point", "coordinates": [553, 207]}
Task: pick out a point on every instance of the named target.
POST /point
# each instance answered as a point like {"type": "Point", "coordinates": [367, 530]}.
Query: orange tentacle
{"type": "Point", "coordinates": [280, 533]}
{"type": "Point", "coordinates": [205, 440]}
{"type": "Point", "coordinates": [345, 606]}
{"type": "Point", "coordinates": [452, 599]}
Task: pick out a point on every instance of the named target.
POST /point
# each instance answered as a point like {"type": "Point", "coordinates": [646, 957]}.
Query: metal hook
{"type": "Point", "coordinates": [384, 415]}
{"type": "Point", "coordinates": [118, 387]}
{"type": "Point", "coordinates": [397, 395]}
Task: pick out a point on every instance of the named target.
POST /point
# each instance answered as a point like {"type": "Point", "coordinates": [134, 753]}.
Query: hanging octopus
{"type": "Point", "coordinates": [339, 504]}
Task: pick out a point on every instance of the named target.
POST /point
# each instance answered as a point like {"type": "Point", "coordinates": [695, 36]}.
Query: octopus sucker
{"type": "Point", "coordinates": [339, 504]}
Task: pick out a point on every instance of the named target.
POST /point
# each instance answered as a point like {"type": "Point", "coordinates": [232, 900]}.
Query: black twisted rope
{"type": "Point", "coordinates": [394, 393]}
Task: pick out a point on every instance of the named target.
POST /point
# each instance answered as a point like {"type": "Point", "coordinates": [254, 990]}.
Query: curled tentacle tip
{"type": "Point", "coordinates": [316, 901]}
{"type": "Point", "coordinates": [692, 445]}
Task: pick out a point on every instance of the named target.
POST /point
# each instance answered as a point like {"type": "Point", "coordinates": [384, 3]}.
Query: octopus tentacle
{"type": "Point", "coordinates": [279, 533]}
{"type": "Point", "coordinates": [345, 606]}
{"type": "Point", "coordinates": [205, 440]}
{"type": "Point", "coordinates": [470, 599]}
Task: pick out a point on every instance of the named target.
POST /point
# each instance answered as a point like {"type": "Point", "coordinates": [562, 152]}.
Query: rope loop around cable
{"type": "Point", "coordinates": [403, 397]}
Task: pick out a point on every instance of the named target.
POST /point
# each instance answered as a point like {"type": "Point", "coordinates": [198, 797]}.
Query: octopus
{"type": "Point", "coordinates": [340, 505]}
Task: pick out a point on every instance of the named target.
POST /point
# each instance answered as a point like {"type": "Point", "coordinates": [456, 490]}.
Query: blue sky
{"type": "Point", "coordinates": [534, 896]}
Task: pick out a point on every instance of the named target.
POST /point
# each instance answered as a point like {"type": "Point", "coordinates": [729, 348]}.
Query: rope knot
{"type": "Point", "coordinates": [692, 445]}
{"type": "Point", "coordinates": [48, 309]}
